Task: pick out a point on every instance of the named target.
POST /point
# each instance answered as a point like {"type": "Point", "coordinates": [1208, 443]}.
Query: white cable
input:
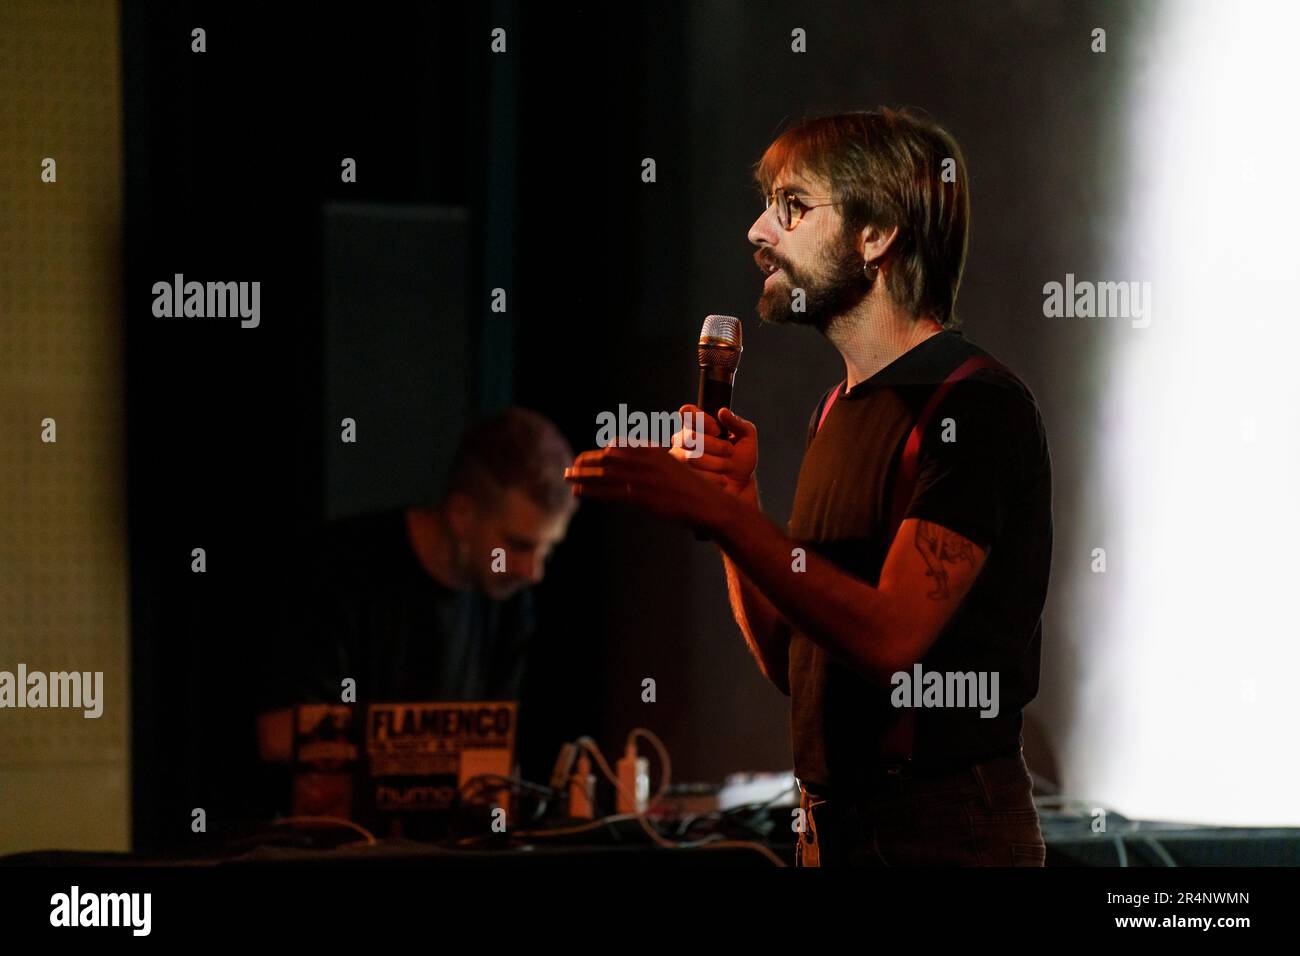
{"type": "Point", "coordinates": [713, 841]}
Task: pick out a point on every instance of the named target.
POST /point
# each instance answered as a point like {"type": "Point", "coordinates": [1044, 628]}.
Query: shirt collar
{"type": "Point", "coordinates": [917, 366]}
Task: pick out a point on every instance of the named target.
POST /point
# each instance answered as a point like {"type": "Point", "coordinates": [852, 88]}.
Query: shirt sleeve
{"type": "Point", "coordinates": [971, 458]}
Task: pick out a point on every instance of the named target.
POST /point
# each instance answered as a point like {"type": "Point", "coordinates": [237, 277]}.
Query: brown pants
{"type": "Point", "coordinates": [981, 816]}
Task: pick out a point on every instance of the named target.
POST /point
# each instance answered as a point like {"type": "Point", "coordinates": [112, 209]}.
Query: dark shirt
{"type": "Point", "coordinates": [993, 486]}
{"type": "Point", "coordinates": [371, 612]}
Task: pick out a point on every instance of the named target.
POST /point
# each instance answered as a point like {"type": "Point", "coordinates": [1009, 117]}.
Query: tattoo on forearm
{"type": "Point", "coordinates": [941, 548]}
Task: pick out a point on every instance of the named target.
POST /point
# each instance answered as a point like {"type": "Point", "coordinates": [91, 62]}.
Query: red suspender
{"type": "Point", "coordinates": [905, 482]}
{"type": "Point", "coordinates": [910, 462]}
{"type": "Point", "coordinates": [829, 402]}
{"type": "Point", "coordinates": [897, 739]}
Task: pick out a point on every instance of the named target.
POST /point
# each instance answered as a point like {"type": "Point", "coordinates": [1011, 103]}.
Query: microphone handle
{"type": "Point", "coordinates": [715, 393]}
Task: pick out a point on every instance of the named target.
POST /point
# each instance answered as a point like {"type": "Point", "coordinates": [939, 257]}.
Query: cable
{"type": "Point", "coordinates": [712, 841]}
{"type": "Point", "coordinates": [728, 814]}
{"type": "Point", "coordinates": [1160, 851]}
{"type": "Point", "coordinates": [603, 822]}
{"type": "Point", "coordinates": [748, 845]}
{"type": "Point", "coordinates": [663, 755]}
{"type": "Point", "coordinates": [715, 840]}
{"type": "Point", "coordinates": [583, 828]}
{"type": "Point", "coordinates": [514, 782]}
{"type": "Point", "coordinates": [332, 821]}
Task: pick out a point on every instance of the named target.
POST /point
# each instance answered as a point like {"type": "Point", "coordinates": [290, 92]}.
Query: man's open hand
{"type": "Point", "coordinates": [649, 478]}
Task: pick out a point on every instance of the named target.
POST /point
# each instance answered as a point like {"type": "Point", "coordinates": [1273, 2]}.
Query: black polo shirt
{"type": "Point", "coordinates": [991, 485]}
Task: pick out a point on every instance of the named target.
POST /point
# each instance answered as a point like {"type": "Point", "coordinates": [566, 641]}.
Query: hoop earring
{"type": "Point", "coordinates": [870, 270]}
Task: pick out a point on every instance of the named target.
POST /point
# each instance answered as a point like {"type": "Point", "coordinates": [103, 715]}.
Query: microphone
{"type": "Point", "coordinates": [719, 357]}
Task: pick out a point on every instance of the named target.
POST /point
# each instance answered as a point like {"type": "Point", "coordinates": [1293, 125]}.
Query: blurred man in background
{"type": "Point", "coordinates": [433, 602]}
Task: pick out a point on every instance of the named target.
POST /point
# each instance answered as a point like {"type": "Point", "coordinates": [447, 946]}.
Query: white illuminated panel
{"type": "Point", "coordinates": [1191, 643]}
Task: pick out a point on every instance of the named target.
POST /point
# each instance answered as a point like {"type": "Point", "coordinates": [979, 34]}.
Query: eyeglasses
{"type": "Point", "coordinates": [790, 208]}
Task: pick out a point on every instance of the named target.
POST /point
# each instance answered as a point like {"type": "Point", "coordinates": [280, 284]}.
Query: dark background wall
{"type": "Point", "coordinates": [232, 155]}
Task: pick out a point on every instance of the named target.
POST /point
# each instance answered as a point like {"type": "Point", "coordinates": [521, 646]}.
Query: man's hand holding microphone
{"type": "Point", "coordinates": [719, 466]}
{"type": "Point", "coordinates": [727, 462]}
{"type": "Point", "coordinates": [697, 491]}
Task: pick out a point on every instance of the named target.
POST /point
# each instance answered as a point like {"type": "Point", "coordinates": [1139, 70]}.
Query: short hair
{"type": "Point", "coordinates": [515, 449]}
{"type": "Point", "coordinates": [887, 168]}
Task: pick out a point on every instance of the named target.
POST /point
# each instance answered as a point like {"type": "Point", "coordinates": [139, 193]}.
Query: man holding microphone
{"type": "Point", "coordinates": [919, 543]}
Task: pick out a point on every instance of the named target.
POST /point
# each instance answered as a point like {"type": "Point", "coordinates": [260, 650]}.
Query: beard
{"type": "Point", "coordinates": [502, 590]}
{"type": "Point", "coordinates": [831, 292]}
{"type": "Point", "coordinates": [496, 586]}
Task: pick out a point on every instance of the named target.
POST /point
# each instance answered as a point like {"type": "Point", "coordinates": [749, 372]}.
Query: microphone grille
{"type": "Point", "coordinates": [720, 341]}
{"type": "Point", "coordinates": [724, 329]}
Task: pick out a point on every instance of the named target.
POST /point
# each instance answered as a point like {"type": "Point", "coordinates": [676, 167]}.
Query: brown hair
{"type": "Point", "coordinates": [519, 449]}
{"type": "Point", "coordinates": [886, 168]}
